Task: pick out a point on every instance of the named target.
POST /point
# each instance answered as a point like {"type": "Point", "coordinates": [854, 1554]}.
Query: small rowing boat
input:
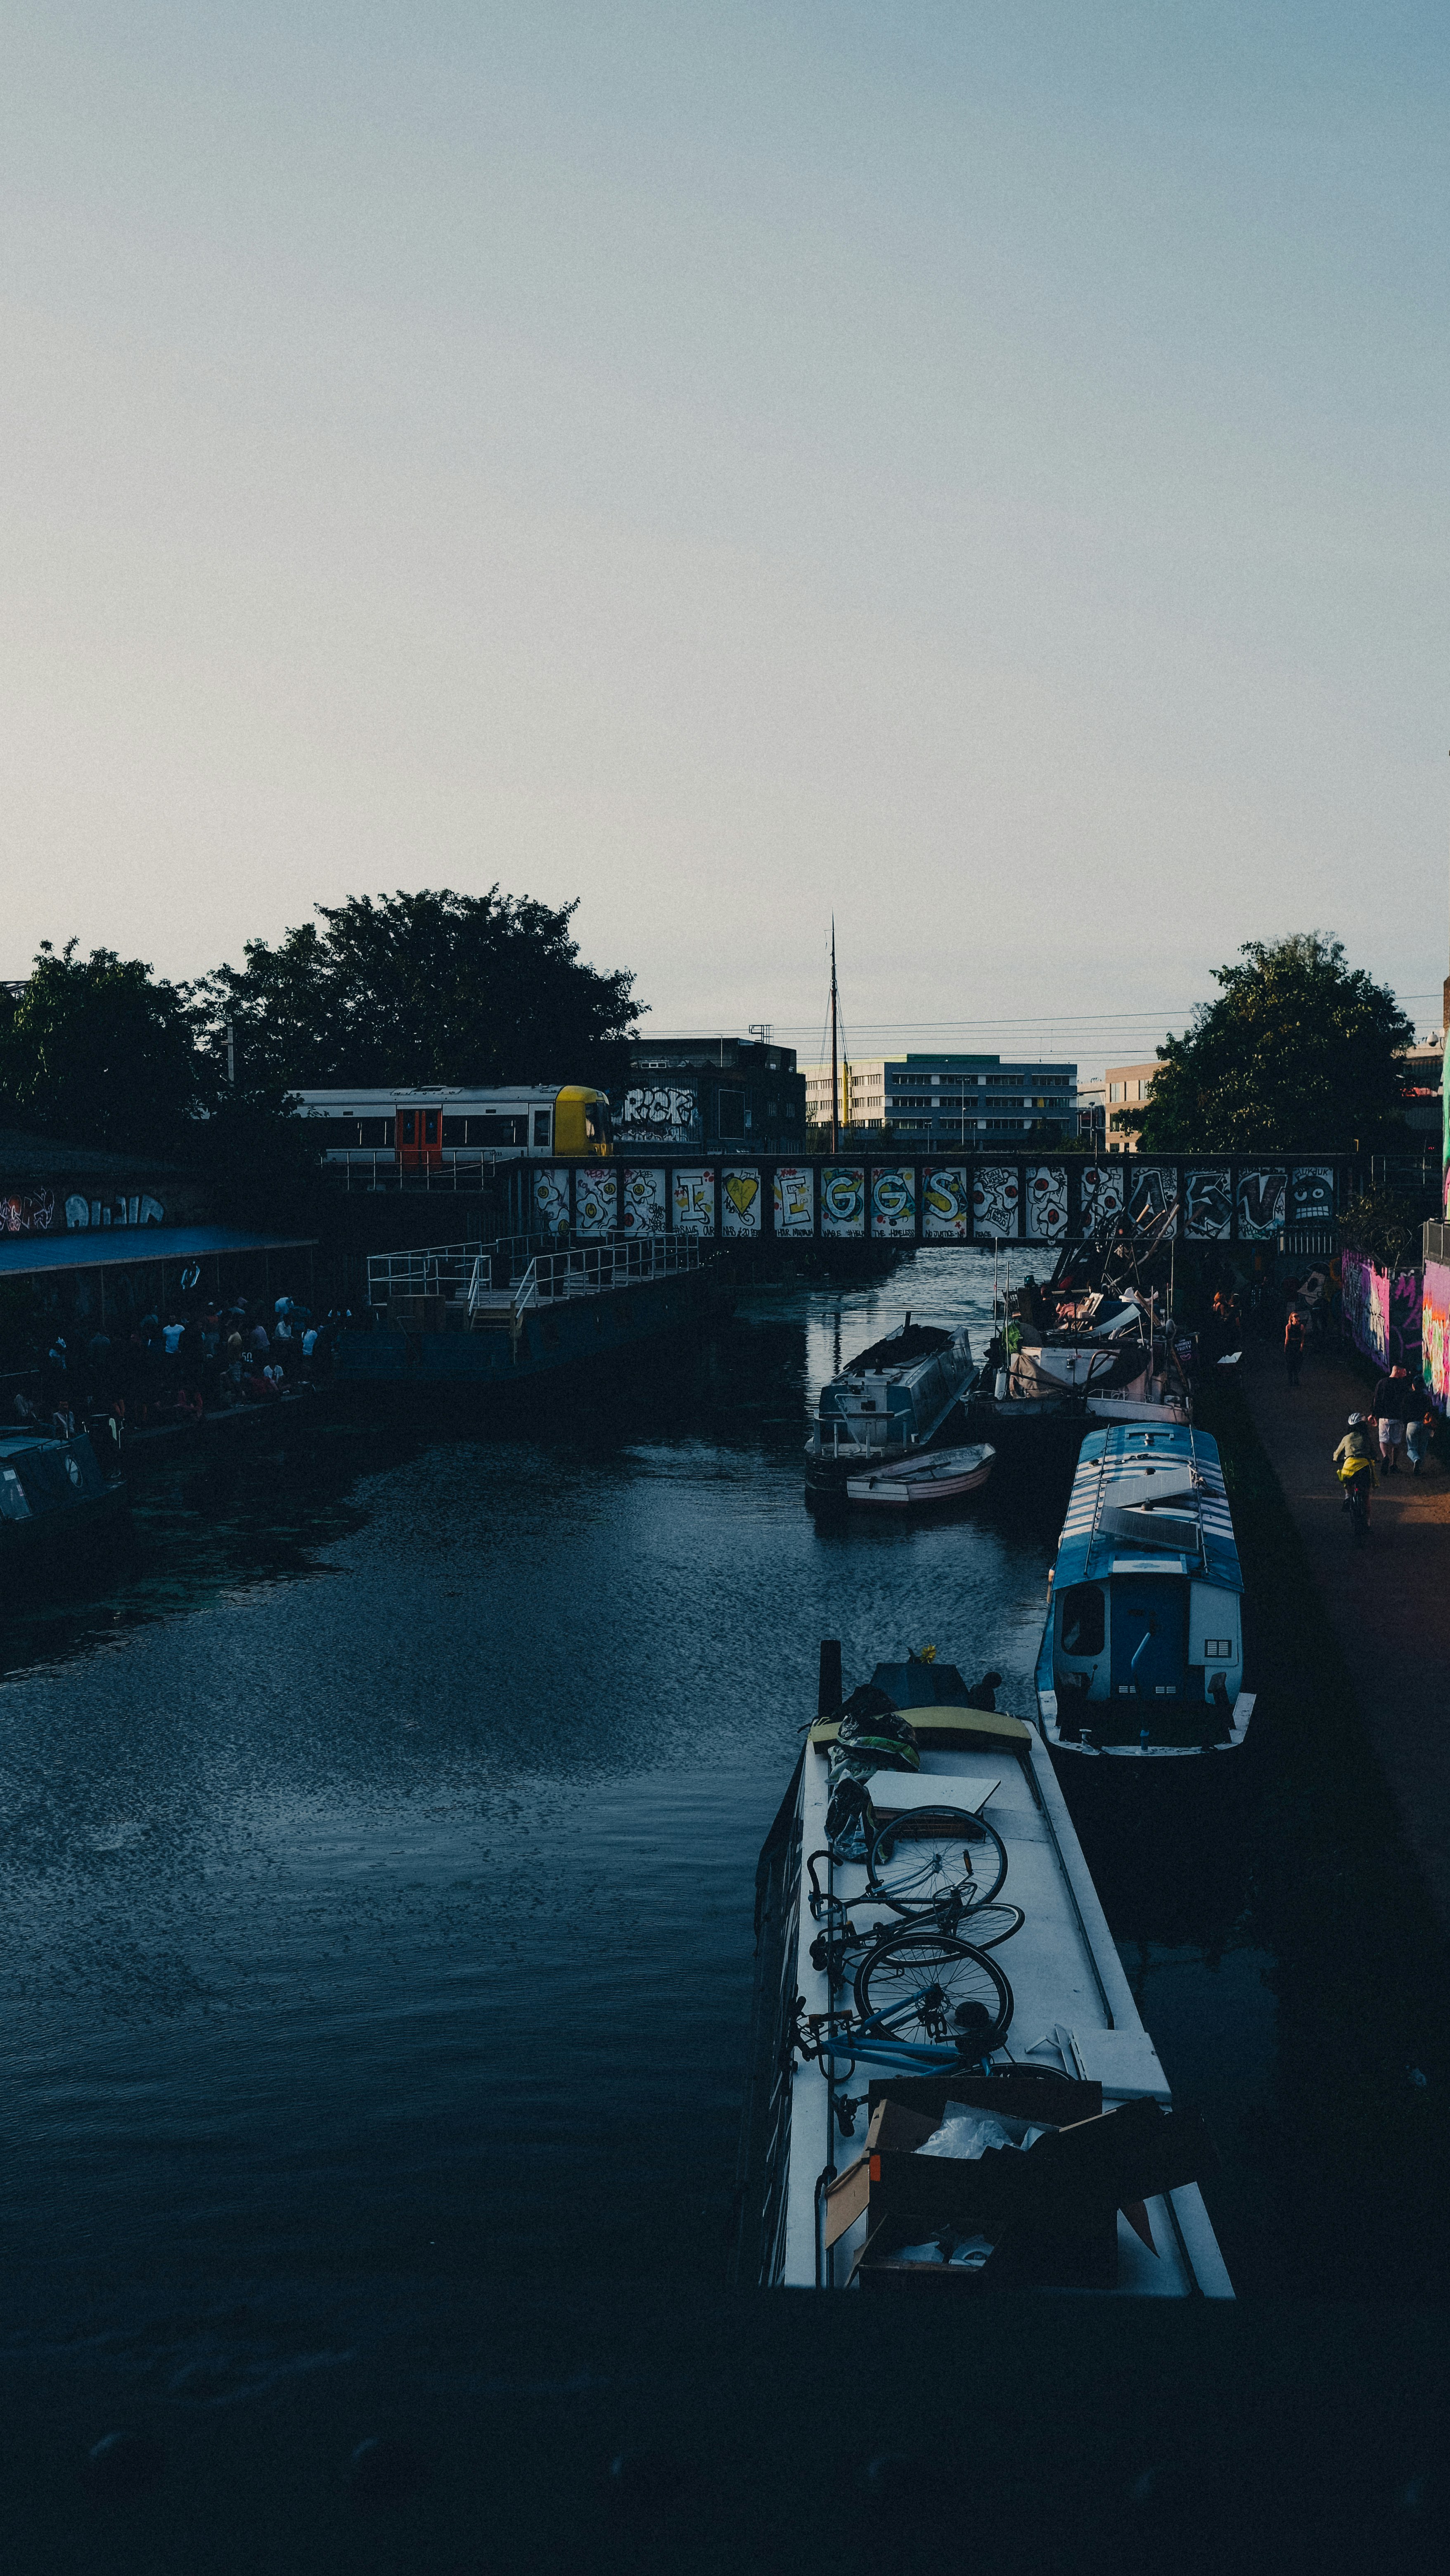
{"type": "Point", "coordinates": [933, 1476]}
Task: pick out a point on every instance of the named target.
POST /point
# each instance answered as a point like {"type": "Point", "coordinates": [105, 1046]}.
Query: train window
{"type": "Point", "coordinates": [455, 1131]}
{"type": "Point", "coordinates": [430, 1126]}
{"type": "Point", "coordinates": [375, 1131]}
{"type": "Point", "coordinates": [494, 1130]}
{"type": "Point", "coordinates": [541, 1128]}
{"type": "Point", "coordinates": [410, 1126]}
{"type": "Point", "coordinates": [1083, 1620]}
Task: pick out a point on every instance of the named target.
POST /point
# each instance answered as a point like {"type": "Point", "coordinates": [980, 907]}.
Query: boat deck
{"type": "Point", "coordinates": [1074, 2011]}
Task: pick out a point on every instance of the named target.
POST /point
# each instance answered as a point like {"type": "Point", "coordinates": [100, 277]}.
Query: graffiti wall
{"type": "Point", "coordinates": [995, 1201]}
{"type": "Point", "coordinates": [1435, 1334]}
{"type": "Point", "coordinates": [795, 1199]}
{"type": "Point", "coordinates": [843, 1199]}
{"type": "Point", "coordinates": [642, 1201]}
{"type": "Point", "coordinates": [660, 1113]}
{"type": "Point", "coordinates": [1208, 1204]}
{"type": "Point", "coordinates": [692, 1200]}
{"type": "Point", "coordinates": [1311, 1194]}
{"type": "Point", "coordinates": [739, 1200]}
{"type": "Point", "coordinates": [1261, 1204]}
{"type": "Point", "coordinates": [1150, 1194]}
{"type": "Point", "coordinates": [596, 1204]}
{"type": "Point", "coordinates": [946, 1203]}
{"type": "Point", "coordinates": [1102, 1194]}
{"type": "Point", "coordinates": [893, 1205]}
{"type": "Point", "coordinates": [551, 1198]}
{"type": "Point", "coordinates": [1382, 1312]}
{"type": "Point", "coordinates": [1046, 1202]}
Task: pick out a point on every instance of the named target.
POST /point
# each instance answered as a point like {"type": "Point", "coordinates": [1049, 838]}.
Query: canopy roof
{"type": "Point", "coordinates": [1105, 1518]}
{"type": "Point", "coordinates": [118, 1247]}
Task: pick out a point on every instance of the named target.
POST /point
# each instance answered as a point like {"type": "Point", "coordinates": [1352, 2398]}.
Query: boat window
{"type": "Point", "coordinates": [1084, 1626]}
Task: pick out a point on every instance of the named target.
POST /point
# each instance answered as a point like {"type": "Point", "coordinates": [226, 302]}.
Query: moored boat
{"type": "Point", "coordinates": [930, 1476]}
{"type": "Point", "coordinates": [53, 1494]}
{"type": "Point", "coordinates": [951, 2089]}
{"type": "Point", "coordinates": [889, 1400]}
{"type": "Point", "coordinates": [1142, 1651]}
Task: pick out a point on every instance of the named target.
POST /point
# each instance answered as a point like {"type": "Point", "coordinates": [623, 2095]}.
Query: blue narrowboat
{"type": "Point", "coordinates": [1143, 1653]}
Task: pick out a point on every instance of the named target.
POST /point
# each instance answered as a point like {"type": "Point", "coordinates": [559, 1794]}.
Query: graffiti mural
{"type": "Point", "coordinates": [642, 1201]}
{"type": "Point", "coordinates": [1046, 1202]}
{"type": "Point", "coordinates": [1208, 1203]}
{"type": "Point", "coordinates": [138, 1210]}
{"type": "Point", "coordinates": [596, 1204]}
{"type": "Point", "coordinates": [551, 1198]}
{"type": "Point", "coordinates": [739, 1200]}
{"type": "Point", "coordinates": [1150, 1194]}
{"type": "Point", "coordinates": [692, 1197]}
{"type": "Point", "coordinates": [946, 1203]}
{"type": "Point", "coordinates": [1382, 1312]}
{"type": "Point", "coordinates": [1261, 1204]}
{"type": "Point", "coordinates": [1311, 1194]}
{"type": "Point", "coordinates": [660, 1113]}
{"type": "Point", "coordinates": [893, 1204]}
{"type": "Point", "coordinates": [795, 1199]}
{"type": "Point", "coordinates": [995, 1199]}
{"type": "Point", "coordinates": [28, 1211]}
{"type": "Point", "coordinates": [1435, 1334]}
{"type": "Point", "coordinates": [843, 1199]}
{"type": "Point", "coordinates": [1101, 1194]}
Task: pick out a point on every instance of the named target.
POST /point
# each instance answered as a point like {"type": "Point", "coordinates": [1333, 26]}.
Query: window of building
{"type": "Point", "coordinates": [730, 1114]}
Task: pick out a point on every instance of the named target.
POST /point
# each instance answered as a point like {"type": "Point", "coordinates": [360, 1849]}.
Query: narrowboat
{"type": "Point", "coordinates": [890, 1399]}
{"type": "Point", "coordinates": [1142, 1652]}
{"type": "Point", "coordinates": [54, 1494]}
{"type": "Point", "coordinates": [950, 2087]}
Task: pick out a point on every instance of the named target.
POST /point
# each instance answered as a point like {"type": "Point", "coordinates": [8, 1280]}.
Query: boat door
{"type": "Point", "coordinates": [420, 1139]}
{"type": "Point", "coordinates": [1149, 1637]}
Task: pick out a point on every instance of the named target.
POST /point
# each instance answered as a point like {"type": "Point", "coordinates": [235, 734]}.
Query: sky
{"type": "Point", "coordinates": [976, 472]}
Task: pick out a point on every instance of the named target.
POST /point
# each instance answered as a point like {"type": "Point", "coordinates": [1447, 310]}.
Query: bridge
{"type": "Point", "coordinates": [971, 1201]}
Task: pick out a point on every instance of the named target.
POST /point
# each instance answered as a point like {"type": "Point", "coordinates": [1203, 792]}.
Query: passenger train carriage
{"type": "Point", "coordinates": [423, 1131]}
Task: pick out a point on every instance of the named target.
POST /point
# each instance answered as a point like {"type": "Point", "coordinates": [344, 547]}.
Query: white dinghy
{"type": "Point", "coordinates": [933, 1476]}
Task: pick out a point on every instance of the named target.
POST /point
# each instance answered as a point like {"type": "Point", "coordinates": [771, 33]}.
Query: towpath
{"type": "Point", "coordinates": [1389, 1602]}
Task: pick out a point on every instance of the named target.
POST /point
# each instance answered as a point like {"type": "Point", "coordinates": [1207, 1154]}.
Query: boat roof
{"type": "Point", "coordinates": [1106, 1521]}
{"type": "Point", "coordinates": [902, 1349]}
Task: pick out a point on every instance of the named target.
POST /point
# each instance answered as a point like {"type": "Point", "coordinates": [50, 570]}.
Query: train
{"type": "Point", "coordinates": [421, 1131]}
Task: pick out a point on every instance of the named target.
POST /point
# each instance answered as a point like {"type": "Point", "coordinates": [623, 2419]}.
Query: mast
{"type": "Point", "coordinates": [835, 1096]}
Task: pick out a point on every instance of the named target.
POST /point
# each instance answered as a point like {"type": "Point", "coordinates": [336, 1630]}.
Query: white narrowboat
{"type": "Point", "coordinates": [890, 1400]}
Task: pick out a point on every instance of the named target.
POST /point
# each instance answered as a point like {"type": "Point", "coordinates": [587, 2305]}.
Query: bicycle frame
{"type": "Point", "coordinates": [873, 2043]}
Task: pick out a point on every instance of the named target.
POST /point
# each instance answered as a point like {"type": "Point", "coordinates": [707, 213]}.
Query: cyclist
{"type": "Point", "coordinates": [1354, 1460]}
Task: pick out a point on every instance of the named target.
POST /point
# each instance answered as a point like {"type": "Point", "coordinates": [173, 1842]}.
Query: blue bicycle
{"type": "Point", "coordinates": [927, 2003]}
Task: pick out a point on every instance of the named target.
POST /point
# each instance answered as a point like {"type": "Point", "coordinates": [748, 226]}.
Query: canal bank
{"type": "Point", "coordinates": [1386, 1603]}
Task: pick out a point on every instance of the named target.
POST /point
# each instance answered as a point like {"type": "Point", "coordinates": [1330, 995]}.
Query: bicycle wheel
{"type": "Point", "coordinates": [917, 1859]}
{"type": "Point", "coordinates": [988, 1926]}
{"type": "Point", "coordinates": [935, 1991]}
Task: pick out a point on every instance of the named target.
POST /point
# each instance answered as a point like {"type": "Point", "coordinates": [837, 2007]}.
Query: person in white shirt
{"type": "Point", "coordinates": [171, 1335]}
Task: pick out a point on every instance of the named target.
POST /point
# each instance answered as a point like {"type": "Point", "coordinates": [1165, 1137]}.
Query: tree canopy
{"type": "Point", "coordinates": [96, 1050]}
{"type": "Point", "coordinates": [1300, 1051]}
{"type": "Point", "coordinates": [425, 988]}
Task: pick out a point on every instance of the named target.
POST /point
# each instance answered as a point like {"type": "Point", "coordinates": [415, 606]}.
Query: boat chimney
{"type": "Point", "coordinates": [828, 1690]}
{"type": "Point", "coordinates": [906, 1327]}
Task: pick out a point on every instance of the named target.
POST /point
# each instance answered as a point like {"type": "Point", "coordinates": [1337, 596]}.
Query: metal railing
{"type": "Point", "coordinates": [438, 1270]}
{"type": "Point", "coordinates": [522, 1270]}
{"type": "Point", "coordinates": [382, 1171]}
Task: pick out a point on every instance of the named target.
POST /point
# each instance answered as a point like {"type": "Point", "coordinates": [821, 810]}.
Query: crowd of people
{"type": "Point", "coordinates": [164, 1370]}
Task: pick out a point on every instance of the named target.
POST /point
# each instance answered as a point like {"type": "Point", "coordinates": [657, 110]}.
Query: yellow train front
{"type": "Point", "coordinates": [424, 1131]}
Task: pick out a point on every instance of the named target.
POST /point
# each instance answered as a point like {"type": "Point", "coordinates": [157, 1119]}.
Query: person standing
{"type": "Point", "coordinates": [1419, 1431]}
{"type": "Point", "coordinates": [1293, 1348]}
{"type": "Point", "coordinates": [1391, 1406]}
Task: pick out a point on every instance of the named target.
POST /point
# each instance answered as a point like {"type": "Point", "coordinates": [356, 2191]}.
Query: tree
{"type": "Point", "coordinates": [95, 1050]}
{"type": "Point", "coordinates": [1301, 1052]}
{"type": "Point", "coordinates": [425, 988]}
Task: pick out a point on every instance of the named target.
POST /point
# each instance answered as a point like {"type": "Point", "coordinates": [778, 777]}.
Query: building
{"type": "Point", "coordinates": [711, 1092]}
{"type": "Point", "coordinates": [1424, 1064]}
{"type": "Point", "coordinates": [1128, 1087]}
{"type": "Point", "coordinates": [931, 1101]}
{"type": "Point", "coordinates": [1092, 1112]}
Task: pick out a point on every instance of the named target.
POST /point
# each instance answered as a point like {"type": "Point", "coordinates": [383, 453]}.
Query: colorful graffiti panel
{"type": "Point", "coordinates": [1208, 1203]}
{"type": "Point", "coordinates": [642, 1200]}
{"type": "Point", "coordinates": [1435, 1334]}
{"type": "Point", "coordinates": [551, 1198]}
{"type": "Point", "coordinates": [1382, 1312]}
{"type": "Point", "coordinates": [996, 1200]}
{"type": "Point", "coordinates": [1261, 1197]}
{"type": "Point", "coordinates": [795, 1199]}
{"type": "Point", "coordinates": [893, 1204]}
{"type": "Point", "coordinates": [1311, 1194]}
{"type": "Point", "coordinates": [596, 1204]}
{"type": "Point", "coordinates": [739, 1200]}
{"type": "Point", "coordinates": [843, 1199]}
{"type": "Point", "coordinates": [946, 1203]}
{"type": "Point", "coordinates": [1149, 1195]}
{"type": "Point", "coordinates": [1100, 1195]}
{"type": "Point", "coordinates": [1046, 1202]}
{"type": "Point", "coordinates": [692, 1201]}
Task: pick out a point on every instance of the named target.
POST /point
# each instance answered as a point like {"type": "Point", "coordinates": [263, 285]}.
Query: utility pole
{"type": "Point", "coordinates": [835, 1097]}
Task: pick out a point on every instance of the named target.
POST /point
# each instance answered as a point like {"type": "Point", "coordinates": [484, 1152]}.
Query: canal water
{"type": "Point", "coordinates": [379, 1838]}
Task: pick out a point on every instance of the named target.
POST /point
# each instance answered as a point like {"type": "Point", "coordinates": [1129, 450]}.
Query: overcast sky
{"type": "Point", "coordinates": [979, 470]}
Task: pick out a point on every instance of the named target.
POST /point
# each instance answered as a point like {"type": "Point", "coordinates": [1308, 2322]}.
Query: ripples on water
{"type": "Point", "coordinates": [380, 1841]}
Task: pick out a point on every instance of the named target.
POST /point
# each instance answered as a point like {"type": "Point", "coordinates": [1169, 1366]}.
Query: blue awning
{"type": "Point", "coordinates": [119, 1247]}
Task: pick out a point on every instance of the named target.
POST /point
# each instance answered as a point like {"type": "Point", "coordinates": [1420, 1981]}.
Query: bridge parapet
{"type": "Point", "coordinates": [966, 1200]}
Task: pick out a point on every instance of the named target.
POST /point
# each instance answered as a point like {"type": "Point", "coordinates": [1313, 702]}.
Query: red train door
{"type": "Point", "coordinates": [419, 1133]}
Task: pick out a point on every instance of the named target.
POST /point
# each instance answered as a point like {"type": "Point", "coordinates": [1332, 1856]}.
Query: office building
{"type": "Point", "coordinates": [934, 1101]}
